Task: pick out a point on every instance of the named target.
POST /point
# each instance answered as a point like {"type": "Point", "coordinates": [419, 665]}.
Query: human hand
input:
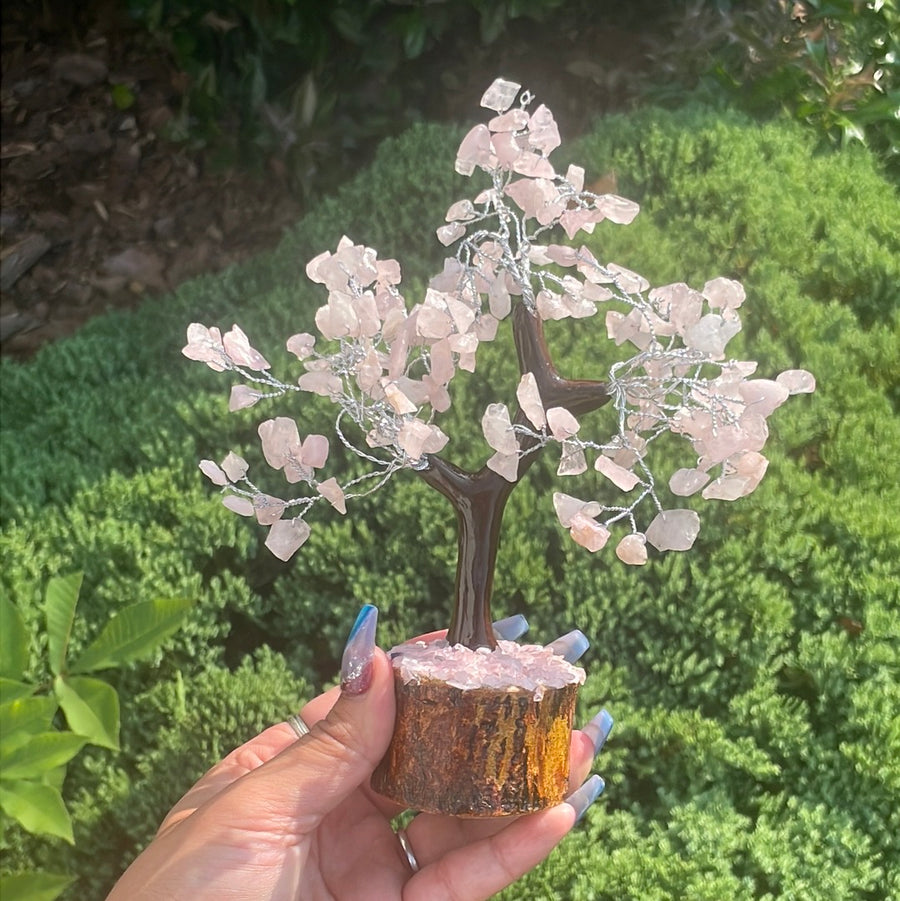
{"type": "Point", "coordinates": [283, 819]}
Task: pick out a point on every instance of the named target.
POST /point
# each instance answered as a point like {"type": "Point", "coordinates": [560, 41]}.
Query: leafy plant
{"type": "Point", "coordinates": [33, 753]}
{"type": "Point", "coordinates": [834, 64]}
{"type": "Point", "coordinates": [313, 84]}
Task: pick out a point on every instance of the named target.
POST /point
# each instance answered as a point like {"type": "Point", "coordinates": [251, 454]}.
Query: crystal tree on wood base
{"type": "Point", "coordinates": [483, 726]}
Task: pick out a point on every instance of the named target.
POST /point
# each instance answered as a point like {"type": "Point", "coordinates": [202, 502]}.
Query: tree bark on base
{"type": "Point", "coordinates": [478, 752]}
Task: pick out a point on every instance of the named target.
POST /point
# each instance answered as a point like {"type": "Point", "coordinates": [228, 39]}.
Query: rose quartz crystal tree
{"type": "Point", "coordinates": [388, 367]}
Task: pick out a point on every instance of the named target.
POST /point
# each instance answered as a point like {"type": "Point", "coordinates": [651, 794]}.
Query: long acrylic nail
{"type": "Point", "coordinates": [511, 628]}
{"type": "Point", "coordinates": [571, 646]}
{"type": "Point", "coordinates": [598, 730]}
{"type": "Point", "coordinates": [583, 797]}
{"type": "Point", "coordinates": [356, 664]}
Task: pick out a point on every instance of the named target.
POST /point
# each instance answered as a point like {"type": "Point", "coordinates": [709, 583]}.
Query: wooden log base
{"type": "Point", "coordinates": [478, 752]}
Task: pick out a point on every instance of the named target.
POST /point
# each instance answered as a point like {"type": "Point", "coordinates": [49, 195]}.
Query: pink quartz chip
{"type": "Point", "coordinates": [529, 398]}
{"type": "Point", "coordinates": [314, 451]}
{"type": "Point", "coordinates": [572, 461]}
{"type": "Point", "coordinates": [461, 211]}
{"type": "Point", "coordinates": [543, 133]}
{"type": "Point", "coordinates": [562, 423]}
{"type": "Point", "coordinates": [620, 476]}
{"type": "Point", "coordinates": [617, 209]}
{"type": "Point", "coordinates": [797, 381]}
{"type": "Point", "coordinates": [286, 536]}
{"type": "Point", "coordinates": [205, 346]}
{"type": "Point", "coordinates": [685, 482]}
{"type": "Point", "coordinates": [322, 383]}
{"type": "Point", "coordinates": [243, 506]}
{"type": "Point", "coordinates": [505, 465]}
{"type": "Point", "coordinates": [513, 120]}
{"type": "Point", "coordinates": [447, 234]}
{"type": "Point", "coordinates": [268, 509]}
{"type": "Point", "coordinates": [213, 472]}
{"type": "Point", "coordinates": [498, 430]}
{"type": "Point", "coordinates": [632, 549]}
{"type": "Point", "coordinates": [567, 507]}
{"type": "Point", "coordinates": [237, 347]}
{"type": "Point", "coordinates": [301, 345]}
{"type": "Point", "coordinates": [763, 395]}
{"type": "Point", "coordinates": [333, 493]}
{"type": "Point", "coordinates": [674, 530]}
{"type": "Point", "coordinates": [589, 533]}
{"type": "Point", "coordinates": [724, 293]}
{"type": "Point", "coordinates": [475, 150]}
{"type": "Point", "coordinates": [242, 397]}
{"type": "Point", "coordinates": [235, 467]}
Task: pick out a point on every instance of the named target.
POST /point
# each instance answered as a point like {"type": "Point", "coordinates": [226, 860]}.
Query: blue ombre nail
{"type": "Point", "coordinates": [570, 646]}
{"type": "Point", "coordinates": [598, 729]}
{"type": "Point", "coordinates": [511, 628]}
{"type": "Point", "coordinates": [583, 797]}
{"type": "Point", "coordinates": [356, 664]}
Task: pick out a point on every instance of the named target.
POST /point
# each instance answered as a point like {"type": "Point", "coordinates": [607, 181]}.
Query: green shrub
{"type": "Point", "coordinates": [753, 681]}
{"type": "Point", "coordinates": [831, 65]}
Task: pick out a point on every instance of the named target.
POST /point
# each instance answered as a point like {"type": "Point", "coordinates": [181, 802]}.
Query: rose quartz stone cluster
{"type": "Point", "coordinates": [509, 667]}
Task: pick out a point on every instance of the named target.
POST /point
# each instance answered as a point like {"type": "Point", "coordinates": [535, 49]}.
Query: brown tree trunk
{"type": "Point", "coordinates": [479, 498]}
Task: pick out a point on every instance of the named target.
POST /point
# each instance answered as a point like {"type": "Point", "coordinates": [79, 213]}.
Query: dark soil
{"type": "Point", "coordinates": [99, 210]}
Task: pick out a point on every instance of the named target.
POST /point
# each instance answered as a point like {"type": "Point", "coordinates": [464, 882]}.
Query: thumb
{"type": "Point", "coordinates": [314, 775]}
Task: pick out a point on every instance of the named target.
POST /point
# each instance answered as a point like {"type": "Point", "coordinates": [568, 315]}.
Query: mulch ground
{"type": "Point", "coordinates": [99, 209]}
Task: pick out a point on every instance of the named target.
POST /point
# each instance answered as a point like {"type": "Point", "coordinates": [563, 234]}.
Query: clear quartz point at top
{"type": "Point", "coordinates": [500, 95]}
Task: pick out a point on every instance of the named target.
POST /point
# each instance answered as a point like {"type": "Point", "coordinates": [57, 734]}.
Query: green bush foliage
{"type": "Point", "coordinates": [753, 680]}
{"type": "Point", "coordinates": [832, 65]}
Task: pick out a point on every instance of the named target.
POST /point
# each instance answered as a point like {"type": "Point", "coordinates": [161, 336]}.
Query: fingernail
{"type": "Point", "coordinates": [511, 628]}
{"type": "Point", "coordinates": [571, 645]}
{"type": "Point", "coordinates": [598, 730]}
{"type": "Point", "coordinates": [583, 797]}
{"type": "Point", "coordinates": [356, 664]}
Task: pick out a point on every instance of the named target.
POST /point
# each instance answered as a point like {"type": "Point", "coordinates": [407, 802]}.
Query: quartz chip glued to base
{"type": "Point", "coordinates": [509, 667]}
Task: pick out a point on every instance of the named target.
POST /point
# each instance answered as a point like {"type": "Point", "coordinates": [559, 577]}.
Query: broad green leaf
{"type": "Point", "coordinates": [33, 886]}
{"type": "Point", "coordinates": [11, 690]}
{"type": "Point", "coordinates": [13, 641]}
{"type": "Point", "coordinates": [55, 778]}
{"type": "Point", "coordinates": [22, 718]}
{"type": "Point", "coordinates": [37, 807]}
{"type": "Point", "coordinates": [91, 708]}
{"type": "Point", "coordinates": [39, 754]}
{"type": "Point", "coordinates": [134, 631]}
{"type": "Point", "coordinates": [59, 607]}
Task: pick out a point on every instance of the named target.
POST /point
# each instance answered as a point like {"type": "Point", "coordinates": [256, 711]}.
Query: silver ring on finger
{"type": "Point", "coordinates": [407, 850]}
{"type": "Point", "coordinates": [297, 723]}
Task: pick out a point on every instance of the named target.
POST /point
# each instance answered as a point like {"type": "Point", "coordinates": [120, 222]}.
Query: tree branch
{"type": "Point", "coordinates": [479, 498]}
